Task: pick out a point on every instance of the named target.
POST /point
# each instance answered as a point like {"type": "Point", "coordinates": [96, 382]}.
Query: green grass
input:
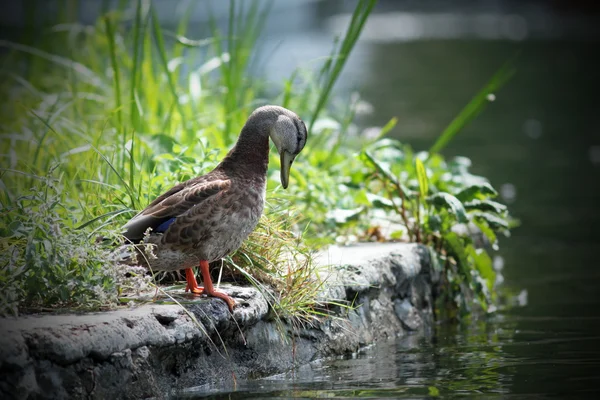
{"type": "Point", "coordinates": [116, 113]}
{"type": "Point", "coordinates": [104, 118]}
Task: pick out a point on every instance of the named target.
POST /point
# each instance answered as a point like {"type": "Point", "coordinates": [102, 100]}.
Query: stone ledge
{"type": "Point", "coordinates": [153, 349]}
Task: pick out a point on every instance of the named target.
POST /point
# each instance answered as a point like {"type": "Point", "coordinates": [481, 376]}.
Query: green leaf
{"type": "Point", "coordinates": [342, 216]}
{"type": "Point", "coordinates": [434, 223]}
{"type": "Point", "coordinates": [399, 234]}
{"type": "Point", "coordinates": [476, 191]}
{"type": "Point", "coordinates": [456, 248]}
{"type": "Point", "coordinates": [386, 128]}
{"type": "Point", "coordinates": [449, 202]}
{"type": "Point", "coordinates": [483, 262]}
{"type": "Point", "coordinates": [475, 106]}
{"type": "Point", "coordinates": [380, 202]}
{"type": "Point", "coordinates": [422, 177]}
{"type": "Point", "coordinates": [381, 169]}
{"type": "Point", "coordinates": [485, 205]}
{"type": "Point", "coordinates": [486, 230]}
{"type": "Point", "coordinates": [495, 222]}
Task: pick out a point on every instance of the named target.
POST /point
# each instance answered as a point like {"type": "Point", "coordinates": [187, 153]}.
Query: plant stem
{"type": "Point", "coordinates": [402, 211]}
{"type": "Point", "coordinates": [418, 224]}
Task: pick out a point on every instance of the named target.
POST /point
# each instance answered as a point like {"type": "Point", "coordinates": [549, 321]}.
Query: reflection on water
{"type": "Point", "coordinates": [509, 355]}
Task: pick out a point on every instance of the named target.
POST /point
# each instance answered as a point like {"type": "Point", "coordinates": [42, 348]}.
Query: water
{"type": "Point", "coordinates": [539, 142]}
{"type": "Point", "coordinates": [506, 357]}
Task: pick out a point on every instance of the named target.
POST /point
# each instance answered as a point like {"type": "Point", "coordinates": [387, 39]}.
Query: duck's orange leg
{"type": "Point", "coordinates": [208, 288]}
{"type": "Point", "coordinates": [192, 285]}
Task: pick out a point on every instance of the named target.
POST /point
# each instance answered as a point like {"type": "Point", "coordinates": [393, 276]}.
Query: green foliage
{"type": "Point", "coordinates": [44, 262]}
{"type": "Point", "coordinates": [124, 110]}
{"type": "Point", "coordinates": [444, 206]}
{"type": "Point", "coordinates": [440, 204]}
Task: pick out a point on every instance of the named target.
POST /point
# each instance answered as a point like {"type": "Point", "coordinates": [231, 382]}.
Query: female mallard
{"type": "Point", "coordinates": [206, 218]}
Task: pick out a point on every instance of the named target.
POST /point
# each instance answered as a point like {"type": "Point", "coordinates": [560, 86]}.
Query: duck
{"type": "Point", "coordinates": [206, 218]}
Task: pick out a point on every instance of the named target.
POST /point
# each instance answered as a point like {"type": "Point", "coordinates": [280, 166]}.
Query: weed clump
{"type": "Point", "coordinates": [47, 264]}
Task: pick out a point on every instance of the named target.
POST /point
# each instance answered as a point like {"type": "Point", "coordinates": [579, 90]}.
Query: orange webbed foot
{"type": "Point", "coordinates": [192, 285]}
{"type": "Point", "coordinates": [208, 289]}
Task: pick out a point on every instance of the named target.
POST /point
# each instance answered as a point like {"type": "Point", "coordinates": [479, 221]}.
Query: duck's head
{"type": "Point", "coordinates": [288, 132]}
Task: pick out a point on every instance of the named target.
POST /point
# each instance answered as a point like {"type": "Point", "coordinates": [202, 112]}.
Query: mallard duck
{"type": "Point", "coordinates": [206, 218]}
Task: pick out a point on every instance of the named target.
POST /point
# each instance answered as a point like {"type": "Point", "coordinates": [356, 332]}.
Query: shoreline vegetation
{"type": "Point", "coordinates": [101, 118]}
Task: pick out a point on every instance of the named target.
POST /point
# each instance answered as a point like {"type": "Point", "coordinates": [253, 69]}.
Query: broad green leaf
{"type": "Point", "coordinates": [449, 202]}
{"type": "Point", "coordinates": [486, 230]}
{"type": "Point", "coordinates": [434, 223]}
{"type": "Point", "coordinates": [495, 222]}
{"type": "Point", "coordinates": [455, 247]}
{"type": "Point", "coordinates": [422, 177]}
{"type": "Point", "coordinates": [483, 262]}
{"type": "Point", "coordinates": [379, 201]}
{"type": "Point", "coordinates": [477, 191]}
{"type": "Point", "coordinates": [342, 216]}
{"type": "Point", "coordinates": [485, 205]}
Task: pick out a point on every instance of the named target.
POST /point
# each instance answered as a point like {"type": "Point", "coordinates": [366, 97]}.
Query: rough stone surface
{"type": "Point", "coordinates": [156, 350]}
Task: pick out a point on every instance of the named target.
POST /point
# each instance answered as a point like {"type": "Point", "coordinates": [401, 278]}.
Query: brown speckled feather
{"type": "Point", "coordinates": [208, 217]}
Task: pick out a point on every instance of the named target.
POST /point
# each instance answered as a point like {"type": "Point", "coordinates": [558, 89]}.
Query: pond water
{"type": "Point", "coordinates": [539, 142]}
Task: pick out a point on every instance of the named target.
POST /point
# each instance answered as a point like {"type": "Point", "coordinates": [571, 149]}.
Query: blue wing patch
{"type": "Point", "coordinates": [162, 228]}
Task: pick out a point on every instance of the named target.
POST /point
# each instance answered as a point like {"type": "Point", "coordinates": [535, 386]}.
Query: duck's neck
{"type": "Point", "coordinates": [250, 155]}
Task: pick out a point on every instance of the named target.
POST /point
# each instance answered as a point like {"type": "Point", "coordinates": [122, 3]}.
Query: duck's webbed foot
{"type": "Point", "coordinates": [208, 289]}
{"type": "Point", "coordinates": [192, 285]}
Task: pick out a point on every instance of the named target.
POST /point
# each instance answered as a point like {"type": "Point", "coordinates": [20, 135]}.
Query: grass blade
{"type": "Point", "coordinates": [105, 215]}
{"type": "Point", "coordinates": [134, 113]}
{"type": "Point", "coordinates": [110, 35]}
{"type": "Point", "coordinates": [422, 178]}
{"type": "Point", "coordinates": [162, 53]}
{"type": "Point", "coordinates": [474, 107]}
{"type": "Point", "coordinates": [79, 68]}
{"type": "Point", "coordinates": [333, 67]}
{"type": "Point", "coordinates": [128, 190]}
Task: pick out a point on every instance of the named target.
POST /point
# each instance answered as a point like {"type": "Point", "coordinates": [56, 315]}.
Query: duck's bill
{"type": "Point", "coordinates": [286, 163]}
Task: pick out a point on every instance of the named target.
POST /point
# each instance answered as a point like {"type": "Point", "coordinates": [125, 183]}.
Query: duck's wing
{"type": "Point", "coordinates": [164, 209]}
